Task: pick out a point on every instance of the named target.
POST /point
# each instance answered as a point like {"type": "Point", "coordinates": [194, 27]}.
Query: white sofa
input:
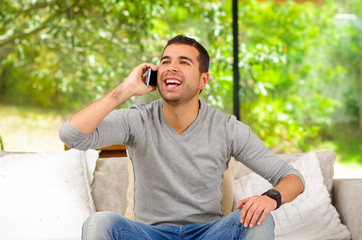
{"type": "Point", "coordinates": [52, 194]}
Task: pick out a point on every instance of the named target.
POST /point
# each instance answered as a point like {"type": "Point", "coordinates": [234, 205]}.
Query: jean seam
{"type": "Point", "coordinates": [119, 232]}
{"type": "Point", "coordinates": [180, 232]}
{"type": "Point", "coordinates": [220, 229]}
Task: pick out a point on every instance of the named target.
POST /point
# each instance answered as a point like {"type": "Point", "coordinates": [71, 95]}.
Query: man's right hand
{"type": "Point", "coordinates": [87, 119]}
{"type": "Point", "coordinates": [136, 80]}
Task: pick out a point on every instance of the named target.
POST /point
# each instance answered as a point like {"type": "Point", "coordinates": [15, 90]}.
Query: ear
{"type": "Point", "coordinates": [204, 78]}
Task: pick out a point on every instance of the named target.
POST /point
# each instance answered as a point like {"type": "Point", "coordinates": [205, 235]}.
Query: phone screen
{"type": "Point", "coordinates": [151, 78]}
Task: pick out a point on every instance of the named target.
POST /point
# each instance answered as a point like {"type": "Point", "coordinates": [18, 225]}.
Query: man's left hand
{"type": "Point", "coordinates": [255, 209]}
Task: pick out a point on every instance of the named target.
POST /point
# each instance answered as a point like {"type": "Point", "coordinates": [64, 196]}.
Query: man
{"type": "Point", "coordinates": [180, 148]}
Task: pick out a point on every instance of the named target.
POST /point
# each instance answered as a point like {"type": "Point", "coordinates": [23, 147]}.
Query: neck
{"type": "Point", "coordinates": [180, 116]}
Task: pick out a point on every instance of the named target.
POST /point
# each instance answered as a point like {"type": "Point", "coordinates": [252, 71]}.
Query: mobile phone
{"type": "Point", "coordinates": [151, 78]}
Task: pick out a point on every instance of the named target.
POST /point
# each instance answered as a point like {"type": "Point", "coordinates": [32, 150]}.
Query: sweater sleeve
{"type": "Point", "coordinates": [112, 130]}
{"type": "Point", "coordinates": [248, 149]}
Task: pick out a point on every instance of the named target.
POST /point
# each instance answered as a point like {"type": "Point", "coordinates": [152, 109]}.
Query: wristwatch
{"type": "Point", "coordinates": [274, 194]}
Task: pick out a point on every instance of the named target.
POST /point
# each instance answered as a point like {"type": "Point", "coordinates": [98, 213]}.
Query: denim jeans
{"type": "Point", "coordinates": [109, 225]}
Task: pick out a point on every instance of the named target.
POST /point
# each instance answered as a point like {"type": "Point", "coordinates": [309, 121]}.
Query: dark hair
{"type": "Point", "coordinates": [203, 58]}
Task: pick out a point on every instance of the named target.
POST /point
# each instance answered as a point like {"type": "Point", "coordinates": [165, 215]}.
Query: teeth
{"type": "Point", "coordinates": [173, 82]}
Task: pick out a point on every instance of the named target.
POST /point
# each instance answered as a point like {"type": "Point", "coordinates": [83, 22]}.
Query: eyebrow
{"type": "Point", "coordinates": [180, 57]}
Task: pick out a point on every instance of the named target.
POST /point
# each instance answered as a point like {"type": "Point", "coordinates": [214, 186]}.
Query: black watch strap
{"type": "Point", "coordinates": [274, 194]}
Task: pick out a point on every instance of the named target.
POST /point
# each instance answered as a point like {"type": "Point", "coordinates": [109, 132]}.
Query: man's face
{"type": "Point", "coordinates": [179, 78]}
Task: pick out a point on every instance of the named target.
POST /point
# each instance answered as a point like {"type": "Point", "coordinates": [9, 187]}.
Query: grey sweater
{"type": "Point", "coordinates": [178, 177]}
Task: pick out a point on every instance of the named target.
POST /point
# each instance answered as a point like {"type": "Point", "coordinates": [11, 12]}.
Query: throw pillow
{"type": "Point", "coordinates": [310, 216]}
{"type": "Point", "coordinates": [109, 188]}
{"type": "Point", "coordinates": [45, 196]}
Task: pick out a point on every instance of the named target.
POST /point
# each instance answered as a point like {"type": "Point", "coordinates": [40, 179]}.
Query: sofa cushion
{"type": "Point", "coordinates": [310, 215]}
{"type": "Point", "coordinates": [348, 202]}
{"type": "Point", "coordinates": [45, 196]}
{"type": "Point", "coordinates": [227, 187]}
{"type": "Point", "coordinates": [110, 184]}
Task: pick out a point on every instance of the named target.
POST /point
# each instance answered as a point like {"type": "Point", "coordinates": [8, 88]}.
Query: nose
{"type": "Point", "coordinates": [172, 67]}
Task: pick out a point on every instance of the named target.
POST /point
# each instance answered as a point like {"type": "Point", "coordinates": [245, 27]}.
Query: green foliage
{"type": "Point", "coordinates": [284, 68]}
{"type": "Point", "coordinates": [54, 59]}
{"type": "Point", "coordinates": [68, 53]}
{"type": "Point", "coordinates": [348, 52]}
{"type": "Point", "coordinates": [344, 139]}
{"type": "Point", "coordinates": [2, 148]}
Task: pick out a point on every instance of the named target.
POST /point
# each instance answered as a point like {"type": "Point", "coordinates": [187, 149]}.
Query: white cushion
{"type": "Point", "coordinates": [45, 196]}
{"type": "Point", "coordinates": [310, 216]}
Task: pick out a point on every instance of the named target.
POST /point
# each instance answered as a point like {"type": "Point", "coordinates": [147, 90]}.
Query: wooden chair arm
{"type": "Point", "coordinates": [116, 150]}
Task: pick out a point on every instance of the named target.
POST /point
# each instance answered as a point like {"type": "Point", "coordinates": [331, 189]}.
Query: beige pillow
{"type": "Point", "coordinates": [227, 186]}
{"type": "Point", "coordinates": [110, 184]}
{"type": "Point", "coordinates": [130, 192]}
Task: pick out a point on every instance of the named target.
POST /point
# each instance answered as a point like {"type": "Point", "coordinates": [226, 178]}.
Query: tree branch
{"type": "Point", "coordinates": [30, 8]}
{"type": "Point", "coordinates": [24, 34]}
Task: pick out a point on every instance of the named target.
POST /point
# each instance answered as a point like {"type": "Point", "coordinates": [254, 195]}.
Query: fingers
{"type": "Point", "coordinates": [241, 203]}
{"type": "Point", "coordinates": [250, 213]}
{"type": "Point", "coordinates": [254, 210]}
{"type": "Point", "coordinates": [252, 216]}
{"type": "Point", "coordinates": [140, 70]}
{"type": "Point", "coordinates": [144, 67]}
{"type": "Point", "coordinates": [246, 205]}
{"type": "Point", "coordinates": [262, 217]}
{"type": "Point", "coordinates": [135, 80]}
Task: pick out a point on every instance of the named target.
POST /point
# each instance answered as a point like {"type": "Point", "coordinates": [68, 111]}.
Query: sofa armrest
{"type": "Point", "coordinates": [347, 198]}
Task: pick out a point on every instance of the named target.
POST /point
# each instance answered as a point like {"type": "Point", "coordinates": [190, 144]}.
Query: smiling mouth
{"type": "Point", "coordinates": [173, 82]}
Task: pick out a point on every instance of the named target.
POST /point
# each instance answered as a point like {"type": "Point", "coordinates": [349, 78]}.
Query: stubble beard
{"type": "Point", "coordinates": [185, 96]}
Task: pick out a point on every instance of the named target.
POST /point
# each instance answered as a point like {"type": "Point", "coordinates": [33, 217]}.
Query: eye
{"type": "Point", "coordinates": [165, 62]}
{"type": "Point", "coordinates": [184, 63]}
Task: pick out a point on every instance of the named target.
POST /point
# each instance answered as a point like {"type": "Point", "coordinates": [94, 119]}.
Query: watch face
{"type": "Point", "coordinates": [274, 194]}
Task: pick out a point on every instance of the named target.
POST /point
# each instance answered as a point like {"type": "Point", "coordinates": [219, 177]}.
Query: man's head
{"type": "Point", "coordinates": [203, 58]}
{"type": "Point", "coordinates": [183, 70]}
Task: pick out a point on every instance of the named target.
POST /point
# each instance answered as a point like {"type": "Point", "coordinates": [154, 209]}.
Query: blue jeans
{"type": "Point", "coordinates": [109, 225]}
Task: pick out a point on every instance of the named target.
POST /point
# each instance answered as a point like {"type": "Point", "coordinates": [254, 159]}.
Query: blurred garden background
{"type": "Point", "coordinates": [299, 63]}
